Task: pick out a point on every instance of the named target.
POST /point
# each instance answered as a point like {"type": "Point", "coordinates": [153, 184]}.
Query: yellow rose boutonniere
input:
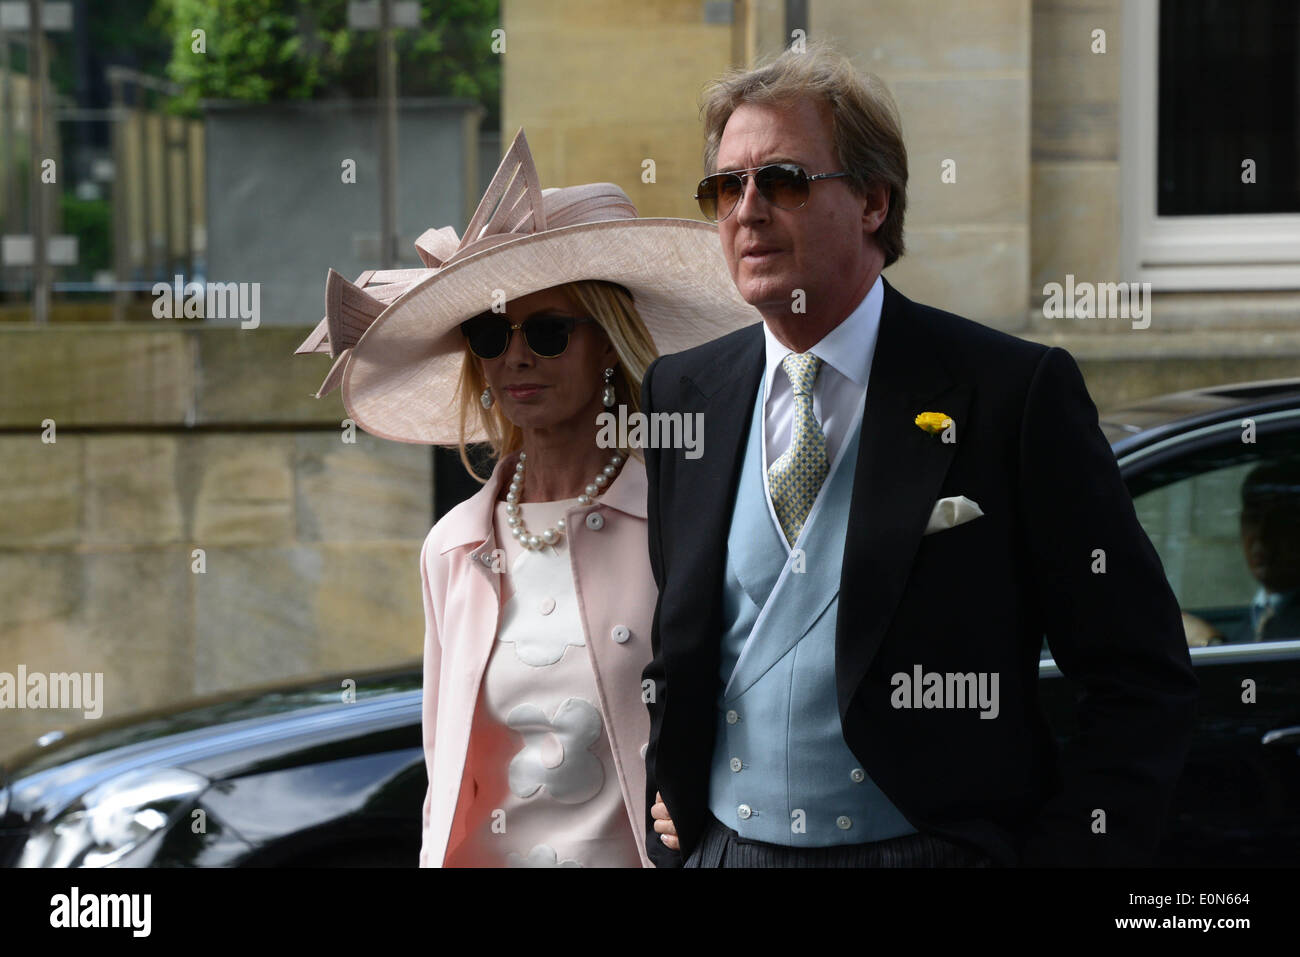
{"type": "Point", "coordinates": [933, 422]}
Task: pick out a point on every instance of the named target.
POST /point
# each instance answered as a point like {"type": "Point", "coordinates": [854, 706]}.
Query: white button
{"type": "Point", "coordinates": [595, 521]}
{"type": "Point", "coordinates": [744, 811]}
{"type": "Point", "coordinates": [486, 558]}
{"type": "Point", "coordinates": [858, 775]}
{"type": "Point", "coordinates": [547, 606]}
{"type": "Point", "coordinates": [620, 633]}
{"type": "Point", "coordinates": [732, 717]}
{"type": "Point", "coordinates": [736, 764]}
{"type": "Point", "coordinates": [843, 823]}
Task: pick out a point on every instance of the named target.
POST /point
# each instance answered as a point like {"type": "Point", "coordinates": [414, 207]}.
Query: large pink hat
{"type": "Point", "coordinates": [395, 334]}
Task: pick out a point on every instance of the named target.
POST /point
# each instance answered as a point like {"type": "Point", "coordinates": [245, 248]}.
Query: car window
{"type": "Point", "coordinates": [1226, 523]}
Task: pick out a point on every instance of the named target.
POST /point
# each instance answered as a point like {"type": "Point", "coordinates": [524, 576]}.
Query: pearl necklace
{"type": "Point", "coordinates": [551, 535]}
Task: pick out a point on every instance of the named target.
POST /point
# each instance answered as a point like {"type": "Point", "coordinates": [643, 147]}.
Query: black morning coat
{"type": "Point", "coordinates": [977, 597]}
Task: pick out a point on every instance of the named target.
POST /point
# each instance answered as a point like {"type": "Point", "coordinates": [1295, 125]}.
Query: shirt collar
{"type": "Point", "coordinates": [1265, 598]}
{"type": "Point", "coordinates": [471, 522]}
{"type": "Point", "coordinates": [847, 348]}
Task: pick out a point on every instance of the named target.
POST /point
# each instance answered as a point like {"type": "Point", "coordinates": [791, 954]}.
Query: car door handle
{"type": "Point", "coordinates": [1282, 736]}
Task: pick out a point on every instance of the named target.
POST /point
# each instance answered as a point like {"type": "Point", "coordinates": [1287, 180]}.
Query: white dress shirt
{"type": "Point", "coordinates": [838, 391]}
{"type": "Point", "coordinates": [1265, 605]}
{"type": "Point", "coordinates": [846, 353]}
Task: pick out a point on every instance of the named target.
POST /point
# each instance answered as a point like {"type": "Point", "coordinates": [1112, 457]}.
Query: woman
{"type": "Point", "coordinates": [554, 773]}
{"type": "Point", "coordinates": [538, 593]}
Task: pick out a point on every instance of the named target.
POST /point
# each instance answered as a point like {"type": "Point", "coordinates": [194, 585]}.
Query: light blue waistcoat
{"type": "Point", "coordinates": [781, 771]}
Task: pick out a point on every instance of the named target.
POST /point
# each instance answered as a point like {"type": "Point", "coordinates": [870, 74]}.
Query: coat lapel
{"type": "Point", "coordinates": [900, 470]}
{"type": "Point", "coordinates": [705, 493]}
{"type": "Point", "coordinates": [470, 533]}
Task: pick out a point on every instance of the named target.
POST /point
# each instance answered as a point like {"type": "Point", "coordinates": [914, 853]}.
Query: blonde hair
{"type": "Point", "coordinates": [615, 312]}
{"type": "Point", "coordinates": [866, 132]}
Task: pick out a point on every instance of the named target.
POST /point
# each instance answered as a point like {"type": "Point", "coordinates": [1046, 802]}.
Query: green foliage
{"type": "Point", "coordinates": [126, 32]}
{"type": "Point", "coordinates": [265, 50]}
{"type": "Point", "coordinates": [91, 221]}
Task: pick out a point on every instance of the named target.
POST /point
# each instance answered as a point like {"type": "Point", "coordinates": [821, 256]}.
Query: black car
{"type": "Point", "coordinates": [1215, 478]}
{"type": "Point", "coordinates": [311, 774]}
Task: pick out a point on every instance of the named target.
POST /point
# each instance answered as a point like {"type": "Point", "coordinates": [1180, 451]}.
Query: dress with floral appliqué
{"type": "Point", "coordinates": [540, 788]}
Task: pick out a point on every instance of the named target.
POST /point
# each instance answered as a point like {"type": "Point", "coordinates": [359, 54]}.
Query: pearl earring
{"type": "Point", "coordinates": [485, 399]}
{"type": "Point", "coordinates": [607, 396]}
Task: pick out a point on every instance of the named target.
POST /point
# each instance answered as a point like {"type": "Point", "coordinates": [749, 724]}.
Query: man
{"type": "Point", "coordinates": [1270, 538]}
{"type": "Point", "coordinates": [894, 506]}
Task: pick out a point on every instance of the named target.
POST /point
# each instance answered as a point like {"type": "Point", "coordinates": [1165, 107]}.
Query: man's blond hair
{"type": "Point", "coordinates": [866, 133]}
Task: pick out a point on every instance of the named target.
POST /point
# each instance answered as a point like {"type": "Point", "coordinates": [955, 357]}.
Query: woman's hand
{"type": "Point", "coordinates": [664, 824]}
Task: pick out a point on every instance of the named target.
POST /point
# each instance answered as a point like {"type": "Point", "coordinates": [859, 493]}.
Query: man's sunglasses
{"type": "Point", "coordinates": [784, 185]}
{"type": "Point", "coordinates": [547, 336]}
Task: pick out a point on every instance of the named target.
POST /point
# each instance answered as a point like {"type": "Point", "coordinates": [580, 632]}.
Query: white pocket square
{"type": "Point", "coordinates": [949, 512]}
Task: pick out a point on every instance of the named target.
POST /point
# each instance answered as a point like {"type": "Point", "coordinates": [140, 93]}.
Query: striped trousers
{"type": "Point", "coordinates": [723, 847]}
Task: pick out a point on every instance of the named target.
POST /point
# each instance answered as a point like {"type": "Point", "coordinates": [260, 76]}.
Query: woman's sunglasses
{"type": "Point", "coordinates": [784, 185]}
{"type": "Point", "coordinates": [547, 336]}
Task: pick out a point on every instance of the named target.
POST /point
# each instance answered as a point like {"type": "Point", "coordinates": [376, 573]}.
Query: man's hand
{"type": "Point", "coordinates": [1200, 632]}
{"type": "Point", "coordinates": [664, 824]}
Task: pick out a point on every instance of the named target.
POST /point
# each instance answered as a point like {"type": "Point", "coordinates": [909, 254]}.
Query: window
{"type": "Point", "coordinates": [1226, 524]}
{"type": "Point", "coordinates": [1229, 92]}
{"type": "Point", "coordinates": [1210, 144]}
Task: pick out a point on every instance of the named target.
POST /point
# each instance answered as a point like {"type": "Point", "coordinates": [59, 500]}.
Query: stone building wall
{"type": "Point", "coordinates": [176, 437]}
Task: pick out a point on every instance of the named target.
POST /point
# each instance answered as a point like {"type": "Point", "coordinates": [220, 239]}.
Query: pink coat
{"type": "Point", "coordinates": [462, 605]}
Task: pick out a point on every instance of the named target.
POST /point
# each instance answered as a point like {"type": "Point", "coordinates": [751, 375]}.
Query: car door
{"type": "Point", "coordinates": [1221, 505]}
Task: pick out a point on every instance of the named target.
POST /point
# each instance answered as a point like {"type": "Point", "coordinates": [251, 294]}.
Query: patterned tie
{"type": "Point", "coordinates": [796, 476]}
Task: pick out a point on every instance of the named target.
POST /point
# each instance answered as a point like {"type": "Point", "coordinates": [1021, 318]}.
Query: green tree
{"type": "Point", "coordinates": [267, 50]}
